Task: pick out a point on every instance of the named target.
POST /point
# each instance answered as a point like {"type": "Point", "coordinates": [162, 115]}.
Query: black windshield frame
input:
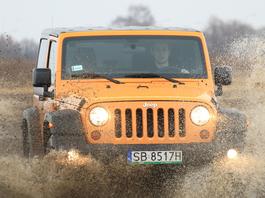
{"type": "Point", "coordinates": [122, 75]}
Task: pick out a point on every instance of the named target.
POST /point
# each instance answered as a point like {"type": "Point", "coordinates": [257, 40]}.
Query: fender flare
{"type": "Point", "coordinates": [231, 120]}
{"type": "Point", "coordinates": [232, 127]}
{"type": "Point", "coordinates": [67, 131]}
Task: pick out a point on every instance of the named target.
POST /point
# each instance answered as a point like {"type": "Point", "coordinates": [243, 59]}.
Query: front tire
{"type": "Point", "coordinates": [31, 140]}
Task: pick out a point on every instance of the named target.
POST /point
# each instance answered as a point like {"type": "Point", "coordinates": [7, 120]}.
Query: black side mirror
{"type": "Point", "coordinates": [223, 75]}
{"type": "Point", "coordinates": [41, 77]}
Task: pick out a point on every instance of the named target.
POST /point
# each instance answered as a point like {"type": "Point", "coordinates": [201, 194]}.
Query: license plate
{"type": "Point", "coordinates": [155, 157]}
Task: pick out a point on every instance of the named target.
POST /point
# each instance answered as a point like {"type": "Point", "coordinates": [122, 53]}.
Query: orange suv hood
{"type": "Point", "coordinates": [104, 92]}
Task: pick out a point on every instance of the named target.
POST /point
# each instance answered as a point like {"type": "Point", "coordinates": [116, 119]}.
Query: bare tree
{"type": "Point", "coordinates": [138, 15]}
{"type": "Point", "coordinates": [10, 48]}
{"type": "Point", "coordinates": [29, 48]}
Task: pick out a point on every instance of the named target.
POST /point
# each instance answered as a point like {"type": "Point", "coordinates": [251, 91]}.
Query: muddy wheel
{"type": "Point", "coordinates": [31, 140]}
{"type": "Point", "coordinates": [25, 138]}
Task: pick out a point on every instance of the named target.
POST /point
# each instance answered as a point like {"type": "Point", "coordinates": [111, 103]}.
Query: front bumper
{"type": "Point", "coordinates": [193, 152]}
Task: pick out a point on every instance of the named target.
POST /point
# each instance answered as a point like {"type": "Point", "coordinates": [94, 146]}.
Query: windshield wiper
{"type": "Point", "coordinates": [153, 75]}
{"type": "Point", "coordinates": [94, 75]}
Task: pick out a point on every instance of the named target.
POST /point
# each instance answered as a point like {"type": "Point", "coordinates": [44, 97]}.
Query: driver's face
{"type": "Point", "coordinates": [160, 53]}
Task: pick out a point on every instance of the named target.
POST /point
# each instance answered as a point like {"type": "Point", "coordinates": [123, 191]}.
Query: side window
{"type": "Point", "coordinates": [52, 60]}
{"type": "Point", "coordinates": [42, 53]}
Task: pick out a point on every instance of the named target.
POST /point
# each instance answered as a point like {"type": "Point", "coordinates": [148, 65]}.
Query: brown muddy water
{"type": "Point", "coordinates": [62, 175]}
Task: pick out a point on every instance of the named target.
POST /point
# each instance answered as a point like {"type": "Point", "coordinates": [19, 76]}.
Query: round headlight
{"type": "Point", "coordinates": [98, 116]}
{"type": "Point", "coordinates": [200, 115]}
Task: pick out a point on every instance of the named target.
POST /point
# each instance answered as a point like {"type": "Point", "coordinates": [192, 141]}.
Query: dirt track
{"type": "Point", "coordinates": [58, 176]}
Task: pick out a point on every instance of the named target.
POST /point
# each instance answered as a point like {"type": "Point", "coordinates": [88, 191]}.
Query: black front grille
{"type": "Point", "coordinates": [150, 123]}
{"type": "Point", "coordinates": [139, 122]}
{"type": "Point", "coordinates": [171, 122]}
{"type": "Point", "coordinates": [160, 122]}
{"type": "Point", "coordinates": [164, 118]}
{"type": "Point", "coordinates": [128, 121]}
{"type": "Point", "coordinates": [117, 115]}
{"type": "Point", "coordinates": [182, 127]}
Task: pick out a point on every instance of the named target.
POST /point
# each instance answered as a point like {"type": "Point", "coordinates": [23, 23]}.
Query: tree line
{"type": "Point", "coordinates": [11, 48]}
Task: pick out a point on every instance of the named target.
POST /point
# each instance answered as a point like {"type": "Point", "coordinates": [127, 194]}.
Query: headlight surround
{"type": "Point", "coordinates": [200, 115]}
{"type": "Point", "coordinates": [98, 116]}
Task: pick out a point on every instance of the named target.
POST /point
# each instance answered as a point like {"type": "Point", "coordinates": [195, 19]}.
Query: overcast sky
{"type": "Point", "coordinates": [27, 18]}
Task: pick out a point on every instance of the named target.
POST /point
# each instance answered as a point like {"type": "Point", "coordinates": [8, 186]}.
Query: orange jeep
{"type": "Point", "coordinates": [146, 93]}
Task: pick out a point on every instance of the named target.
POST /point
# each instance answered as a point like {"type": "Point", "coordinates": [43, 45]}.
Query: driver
{"type": "Point", "coordinates": [160, 53]}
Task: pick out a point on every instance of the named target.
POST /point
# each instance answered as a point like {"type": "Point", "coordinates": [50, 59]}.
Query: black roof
{"type": "Point", "coordinates": [57, 31]}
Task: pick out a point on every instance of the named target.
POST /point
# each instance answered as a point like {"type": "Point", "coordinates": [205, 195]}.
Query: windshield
{"type": "Point", "coordinates": [121, 57]}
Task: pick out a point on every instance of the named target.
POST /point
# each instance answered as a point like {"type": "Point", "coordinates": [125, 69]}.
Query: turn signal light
{"type": "Point", "coordinates": [95, 135]}
{"type": "Point", "coordinates": [204, 134]}
{"type": "Point", "coordinates": [50, 125]}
